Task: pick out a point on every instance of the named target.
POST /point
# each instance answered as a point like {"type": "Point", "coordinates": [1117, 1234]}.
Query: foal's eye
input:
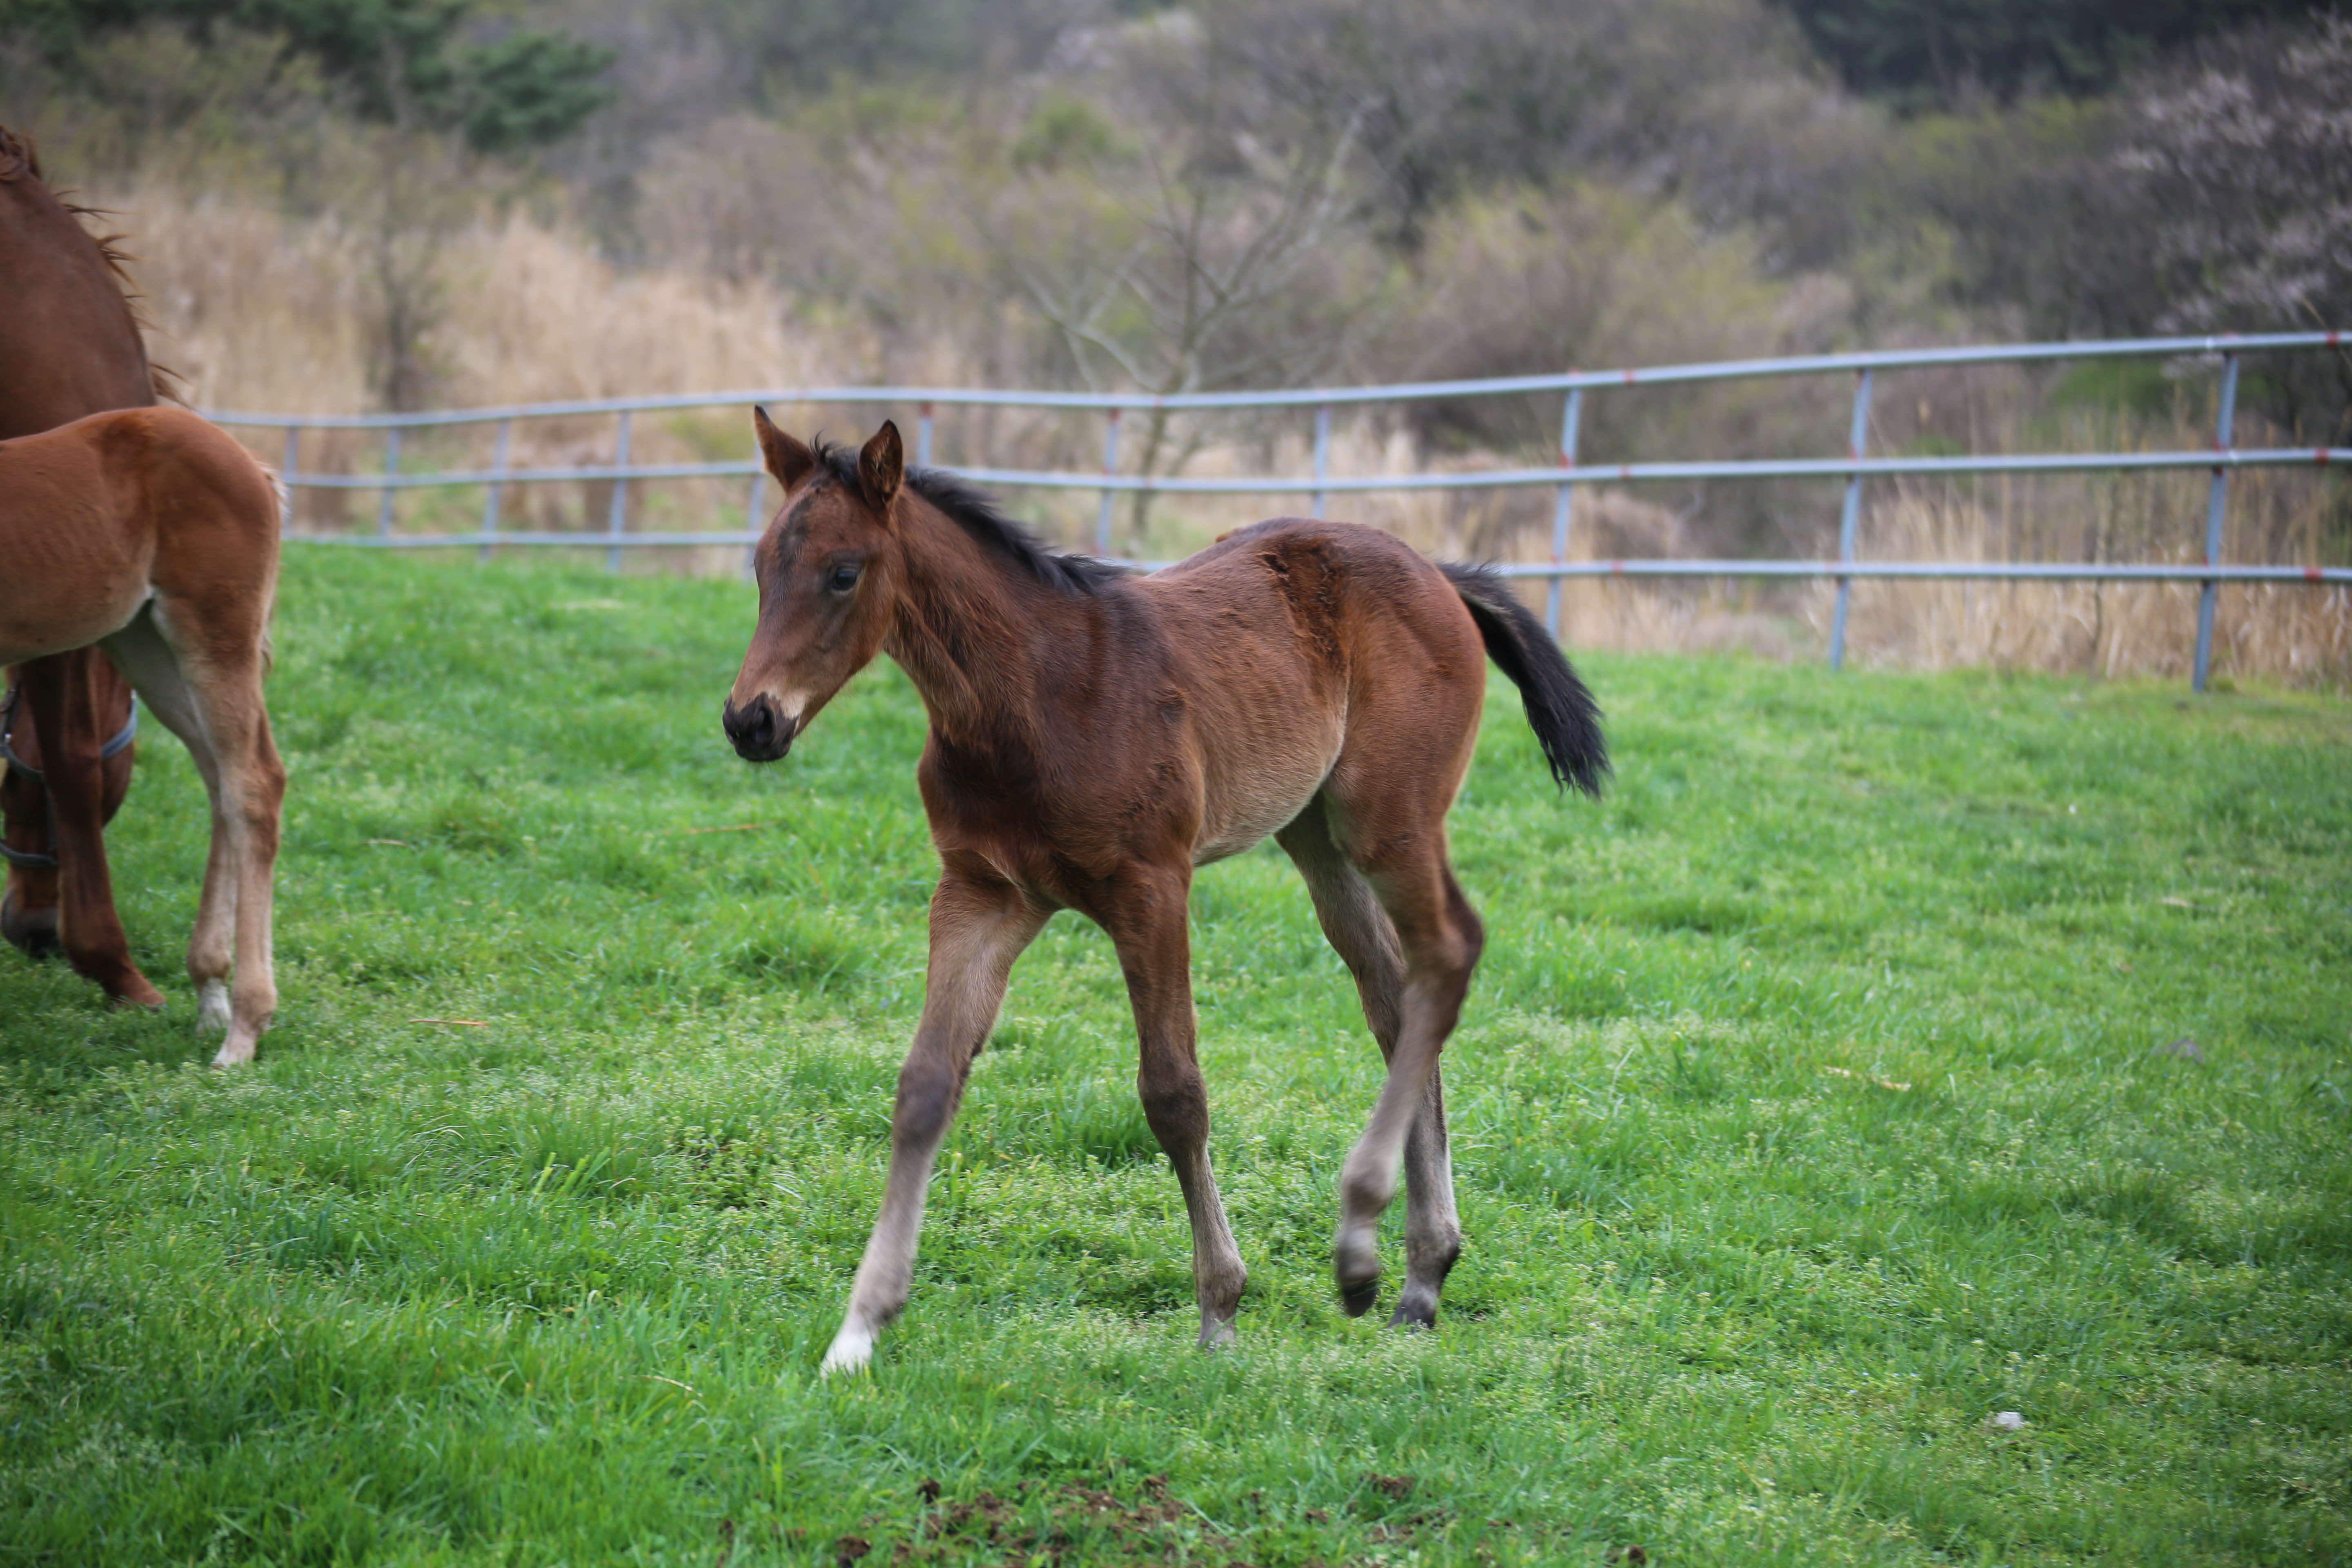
{"type": "Point", "coordinates": [843, 580]}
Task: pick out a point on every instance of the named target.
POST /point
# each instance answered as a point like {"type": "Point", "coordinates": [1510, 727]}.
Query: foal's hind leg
{"type": "Point", "coordinates": [1394, 836]}
{"type": "Point", "coordinates": [1360, 932]}
{"type": "Point", "coordinates": [216, 708]}
{"type": "Point", "coordinates": [980, 923]}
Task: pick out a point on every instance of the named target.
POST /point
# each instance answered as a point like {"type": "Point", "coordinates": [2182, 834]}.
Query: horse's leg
{"type": "Point", "coordinates": [250, 809]}
{"type": "Point", "coordinates": [28, 908]}
{"type": "Point", "coordinates": [1440, 937]}
{"type": "Point", "coordinates": [62, 698]}
{"type": "Point", "coordinates": [1360, 932]}
{"type": "Point", "coordinates": [216, 708]}
{"type": "Point", "coordinates": [979, 925]}
{"type": "Point", "coordinates": [1146, 923]}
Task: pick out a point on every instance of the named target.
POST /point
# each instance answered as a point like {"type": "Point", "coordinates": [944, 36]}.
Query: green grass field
{"type": "Point", "coordinates": [1819, 1098]}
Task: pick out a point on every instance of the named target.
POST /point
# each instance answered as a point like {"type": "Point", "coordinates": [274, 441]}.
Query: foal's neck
{"type": "Point", "coordinates": [968, 629]}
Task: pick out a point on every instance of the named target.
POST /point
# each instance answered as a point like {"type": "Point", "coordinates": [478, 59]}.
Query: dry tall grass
{"type": "Point", "coordinates": [2298, 633]}
{"type": "Point", "coordinates": [263, 311]}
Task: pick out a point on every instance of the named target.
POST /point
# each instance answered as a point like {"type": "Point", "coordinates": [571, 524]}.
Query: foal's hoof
{"type": "Point", "coordinates": [212, 1008]}
{"type": "Point", "coordinates": [852, 1351]}
{"type": "Point", "coordinates": [1412, 1315]}
{"type": "Point", "coordinates": [1356, 1266]}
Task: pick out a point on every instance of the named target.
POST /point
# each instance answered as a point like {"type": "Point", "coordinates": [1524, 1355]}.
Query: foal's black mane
{"type": "Point", "coordinates": [975, 510]}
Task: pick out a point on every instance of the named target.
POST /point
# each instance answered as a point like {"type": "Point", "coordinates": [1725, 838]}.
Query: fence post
{"type": "Point", "coordinates": [1570, 418]}
{"type": "Point", "coordinates": [923, 438]}
{"type": "Point", "coordinates": [286, 480]}
{"type": "Point", "coordinates": [616, 524]}
{"type": "Point", "coordinates": [2217, 503]}
{"type": "Point", "coordinates": [1110, 467]}
{"type": "Point", "coordinates": [1851, 517]}
{"type": "Point", "coordinates": [497, 476]}
{"type": "Point", "coordinates": [1322, 453]}
{"type": "Point", "coordinates": [751, 524]}
{"type": "Point", "coordinates": [391, 467]}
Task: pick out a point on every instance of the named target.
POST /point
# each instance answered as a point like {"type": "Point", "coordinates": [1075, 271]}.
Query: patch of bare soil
{"type": "Point", "coordinates": [1072, 1523]}
{"type": "Point", "coordinates": [1069, 1524]}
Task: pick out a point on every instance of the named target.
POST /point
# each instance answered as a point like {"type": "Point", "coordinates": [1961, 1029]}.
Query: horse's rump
{"type": "Point", "coordinates": [1304, 647]}
{"type": "Point", "coordinates": [98, 516]}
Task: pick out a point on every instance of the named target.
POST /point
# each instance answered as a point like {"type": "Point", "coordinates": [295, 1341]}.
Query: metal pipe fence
{"type": "Point", "coordinates": [1855, 468]}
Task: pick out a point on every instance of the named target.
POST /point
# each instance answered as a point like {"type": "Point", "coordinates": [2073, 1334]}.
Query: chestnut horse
{"type": "Point", "coordinates": [1094, 737]}
{"type": "Point", "coordinates": [153, 536]}
{"type": "Point", "coordinates": [69, 345]}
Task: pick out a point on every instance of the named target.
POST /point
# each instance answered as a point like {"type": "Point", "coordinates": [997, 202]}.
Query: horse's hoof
{"type": "Point", "coordinates": [1356, 1298]}
{"type": "Point", "coordinates": [123, 985]}
{"type": "Point", "coordinates": [139, 996]}
{"type": "Point", "coordinates": [1412, 1315]}
{"type": "Point", "coordinates": [36, 934]}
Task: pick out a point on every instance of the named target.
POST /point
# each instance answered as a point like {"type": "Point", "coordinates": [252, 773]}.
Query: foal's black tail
{"type": "Point", "coordinates": [1566, 720]}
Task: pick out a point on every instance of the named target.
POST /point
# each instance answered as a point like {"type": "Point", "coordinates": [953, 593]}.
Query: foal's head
{"type": "Point", "coordinates": [828, 570]}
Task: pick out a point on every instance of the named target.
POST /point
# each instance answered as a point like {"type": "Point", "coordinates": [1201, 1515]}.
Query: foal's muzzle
{"type": "Point", "coordinates": [760, 732]}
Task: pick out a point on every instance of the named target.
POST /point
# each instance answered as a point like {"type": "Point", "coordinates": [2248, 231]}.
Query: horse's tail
{"type": "Point", "coordinates": [1566, 720]}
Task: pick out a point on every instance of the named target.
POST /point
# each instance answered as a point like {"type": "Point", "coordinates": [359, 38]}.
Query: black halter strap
{"type": "Point", "coordinates": [10, 762]}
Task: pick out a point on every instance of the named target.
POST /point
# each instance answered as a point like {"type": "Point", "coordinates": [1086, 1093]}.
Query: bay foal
{"type": "Point", "coordinates": [152, 535]}
{"type": "Point", "coordinates": [1094, 737]}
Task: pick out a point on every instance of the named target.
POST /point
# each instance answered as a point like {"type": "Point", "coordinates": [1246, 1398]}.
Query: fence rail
{"type": "Point", "coordinates": [1855, 468]}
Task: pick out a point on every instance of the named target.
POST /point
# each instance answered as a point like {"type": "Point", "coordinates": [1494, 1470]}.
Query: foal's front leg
{"type": "Point", "coordinates": [1146, 922]}
{"type": "Point", "coordinates": [980, 923]}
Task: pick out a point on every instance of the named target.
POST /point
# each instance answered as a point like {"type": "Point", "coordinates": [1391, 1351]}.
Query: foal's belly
{"type": "Point", "coordinates": [1272, 784]}
{"type": "Point", "coordinates": [1265, 698]}
{"type": "Point", "coordinates": [40, 619]}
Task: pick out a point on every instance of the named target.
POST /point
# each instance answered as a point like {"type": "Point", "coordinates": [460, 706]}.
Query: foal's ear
{"type": "Point", "coordinates": [786, 459]}
{"type": "Point", "coordinates": [880, 465]}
